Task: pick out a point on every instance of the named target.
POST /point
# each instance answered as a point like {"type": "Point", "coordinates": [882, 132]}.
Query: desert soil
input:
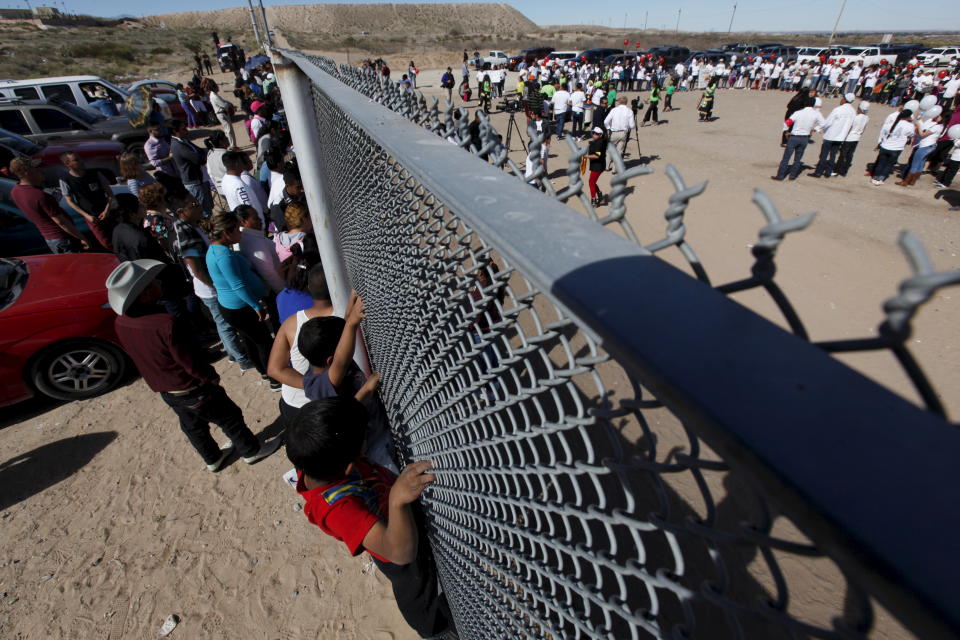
{"type": "Point", "coordinates": [110, 522]}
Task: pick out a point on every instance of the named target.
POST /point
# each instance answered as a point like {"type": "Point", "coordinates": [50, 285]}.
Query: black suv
{"type": "Point", "coordinates": [670, 55]}
{"type": "Point", "coordinates": [528, 56]}
{"type": "Point", "coordinates": [595, 56]}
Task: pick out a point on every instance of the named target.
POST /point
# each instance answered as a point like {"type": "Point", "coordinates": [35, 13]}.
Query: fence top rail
{"type": "Point", "coordinates": [868, 476]}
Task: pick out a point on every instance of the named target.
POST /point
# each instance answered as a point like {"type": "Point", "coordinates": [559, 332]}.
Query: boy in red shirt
{"type": "Point", "coordinates": [365, 506]}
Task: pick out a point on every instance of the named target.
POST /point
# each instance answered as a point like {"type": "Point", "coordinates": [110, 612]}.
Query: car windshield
{"type": "Point", "coordinates": [78, 112]}
{"type": "Point", "coordinates": [856, 50]}
{"type": "Point", "coordinates": [19, 143]}
{"type": "Point", "coordinates": [13, 278]}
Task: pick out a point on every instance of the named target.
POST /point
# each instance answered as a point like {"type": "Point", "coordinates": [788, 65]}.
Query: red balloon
{"type": "Point", "coordinates": [842, 60]}
{"type": "Point", "coordinates": [637, 44]}
{"type": "Point", "coordinates": [830, 60]}
{"type": "Point", "coordinates": [661, 60]}
{"type": "Point", "coordinates": [823, 58]}
{"type": "Point", "coordinates": [884, 61]}
{"type": "Point", "coordinates": [626, 42]}
{"type": "Point", "coordinates": [943, 74]}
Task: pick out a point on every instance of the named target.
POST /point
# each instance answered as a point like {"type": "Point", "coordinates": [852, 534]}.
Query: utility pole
{"type": "Point", "coordinates": [730, 28]}
{"type": "Point", "coordinates": [677, 30]}
{"type": "Point", "coordinates": [253, 20]}
{"type": "Point", "coordinates": [646, 14]}
{"type": "Point", "coordinates": [837, 23]}
{"type": "Point", "coordinates": [266, 28]}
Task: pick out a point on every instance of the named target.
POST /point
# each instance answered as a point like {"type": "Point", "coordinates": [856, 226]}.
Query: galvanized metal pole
{"type": "Point", "coordinates": [837, 23]}
{"type": "Point", "coordinates": [267, 40]}
{"type": "Point", "coordinates": [253, 20]}
{"type": "Point", "coordinates": [301, 117]}
{"type": "Point", "coordinates": [730, 28]}
{"type": "Point", "coordinates": [677, 30]}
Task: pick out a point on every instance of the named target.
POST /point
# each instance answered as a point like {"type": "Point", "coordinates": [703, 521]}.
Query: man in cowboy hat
{"type": "Point", "coordinates": [170, 366]}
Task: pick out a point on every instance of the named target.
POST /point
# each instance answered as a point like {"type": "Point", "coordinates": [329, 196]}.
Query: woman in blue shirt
{"type": "Point", "coordinates": [240, 292]}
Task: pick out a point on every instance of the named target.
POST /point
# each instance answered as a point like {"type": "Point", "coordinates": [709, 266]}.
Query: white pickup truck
{"type": "Point", "coordinates": [493, 58]}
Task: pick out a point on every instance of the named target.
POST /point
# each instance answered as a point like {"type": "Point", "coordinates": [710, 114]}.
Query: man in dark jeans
{"type": "Point", "coordinates": [189, 160]}
{"type": "Point", "coordinates": [42, 209]}
{"type": "Point", "coordinates": [166, 359]}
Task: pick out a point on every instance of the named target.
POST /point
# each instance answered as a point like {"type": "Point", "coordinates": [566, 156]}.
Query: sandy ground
{"type": "Point", "coordinates": [110, 523]}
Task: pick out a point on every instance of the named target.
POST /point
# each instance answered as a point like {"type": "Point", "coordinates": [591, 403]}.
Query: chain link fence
{"type": "Point", "coordinates": [622, 452]}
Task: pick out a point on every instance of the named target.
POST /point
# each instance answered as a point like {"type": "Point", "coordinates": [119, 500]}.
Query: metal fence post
{"type": "Point", "coordinates": [298, 106]}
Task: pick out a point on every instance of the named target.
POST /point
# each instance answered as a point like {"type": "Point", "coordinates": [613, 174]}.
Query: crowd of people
{"type": "Point", "coordinates": [216, 251]}
{"type": "Point", "coordinates": [589, 97]}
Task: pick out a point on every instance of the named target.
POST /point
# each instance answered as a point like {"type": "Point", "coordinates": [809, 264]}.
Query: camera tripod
{"type": "Point", "coordinates": [511, 126]}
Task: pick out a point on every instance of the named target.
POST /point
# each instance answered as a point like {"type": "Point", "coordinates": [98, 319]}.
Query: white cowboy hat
{"type": "Point", "coordinates": [128, 281]}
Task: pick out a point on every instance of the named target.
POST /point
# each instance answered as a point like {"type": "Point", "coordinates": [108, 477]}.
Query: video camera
{"type": "Point", "coordinates": [510, 105]}
{"type": "Point", "coordinates": [636, 104]}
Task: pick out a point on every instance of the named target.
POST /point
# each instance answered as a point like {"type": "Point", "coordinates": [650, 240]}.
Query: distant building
{"type": "Point", "coordinates": [46, 12]}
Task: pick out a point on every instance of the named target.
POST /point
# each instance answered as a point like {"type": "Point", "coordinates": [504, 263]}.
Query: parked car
{"type": "Point", "coordinates": [813, 54]}
{"type": "Point", "coordinates": [869, 56]}
{"type": "Point", "coordinates": [564, 55]}
{"type": "Point", "coordinates": [594, 56]}
{"type": "Point", "coordinates": [169, 99]}
{"type": "Point", "coordinates": [56, 328]}
{"type": "Point", "coordinates": [225, 56]}
{"type": "Point", "coordinates": [528, 56]}
{"type": "Point", "coordinates": [96, 154]}
{"type": "Point", "coordinates": [77, 90]}
{"type": "Point", "coordinates": [939, 56]}
{"type": "Point", "coordinates": [152, 84]}
{"type": "Point", "coordinates": [19, 236]}
{"type": "Point", "coordinates": [788, 54]}
{"type": "Point", "coordinates": [49, 121]}
{"type": "Point", "coordinates": [493, 58]}
{"type": "Point", "coordinates": [671, 55]}
{"type": "Point", "coordinates": [621, 58]}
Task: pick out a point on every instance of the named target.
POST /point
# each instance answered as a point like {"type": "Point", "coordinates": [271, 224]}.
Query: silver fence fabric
{"type": "Point", "coordinates": [573, 501]}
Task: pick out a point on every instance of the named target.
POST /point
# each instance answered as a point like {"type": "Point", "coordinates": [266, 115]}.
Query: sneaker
{"type": "Point", "coordinates": [275, 386]}
{"type": "Point", "coordinates": [246, 365]}
{"type": "Point", "coordinates": [266, 449]}
{"type": "Point", "coordinates": [939, 185]}
{"type": "Point", "coordinates": [876, 182]}
{"type": "Point", "coordinates": [225, 451]}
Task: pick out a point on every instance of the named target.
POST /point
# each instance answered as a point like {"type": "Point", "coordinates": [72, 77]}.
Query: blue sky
{"type": "Point", "coordinates": [695, 15]}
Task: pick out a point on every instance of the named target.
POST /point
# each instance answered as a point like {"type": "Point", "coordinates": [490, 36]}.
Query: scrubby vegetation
{"type": "Point", "coordinates": [120, 53]}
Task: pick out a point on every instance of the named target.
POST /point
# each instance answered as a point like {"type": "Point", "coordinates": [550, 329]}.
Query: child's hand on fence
{"type": "Point", "coordinates": [356, 311]}
{"type": "Point", "coordinates": [411, 483]}
{"type": "Point", "coordinates": [369, 387]}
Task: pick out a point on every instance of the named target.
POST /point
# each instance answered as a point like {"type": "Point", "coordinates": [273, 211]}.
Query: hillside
{"type": "Point", "coordinates": [346, 20]}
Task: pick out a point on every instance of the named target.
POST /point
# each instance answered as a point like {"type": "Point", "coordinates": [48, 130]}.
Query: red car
{"type": "Point", "coordinates": [96, 154]}
{"type": "Point", "coordinates": [56, 328]}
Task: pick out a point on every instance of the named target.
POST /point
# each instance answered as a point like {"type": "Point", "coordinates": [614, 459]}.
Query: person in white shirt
{"type": "Point", "coordinates": [924, 140]}
{"type": "Point", "coordinates": [853, 77]}
{"type": "Point", "coordinates": [561, 105]}
{"type": "Point", "coordinates": [619, 122]}
{"type": "Point", "coordinates": [849, 145]}
{"type": "Point", "coordinates": [950, 92]}
{"type": "Point", "coordinates": [578, 101]}
{"type": "Point", "coordinates": [259, 249]}
{"type": "Point", "coordinates": [894, 136]}
{"type": "Point", "coordinates": [802, 123]}
{"type": "Point", "coordinates": [835, 130]}
{"type": "Point", "coordinates": [240, 188]}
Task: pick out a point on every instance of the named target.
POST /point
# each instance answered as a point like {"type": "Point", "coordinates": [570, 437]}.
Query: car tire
{"type": "Point", "coordinates": [136, 149]}
{"type": "Point", "coordinates": [77, 369]}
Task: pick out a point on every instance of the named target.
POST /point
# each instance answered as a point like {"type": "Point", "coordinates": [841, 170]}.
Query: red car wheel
{"type": "Point", "coordinates": [77, 369]}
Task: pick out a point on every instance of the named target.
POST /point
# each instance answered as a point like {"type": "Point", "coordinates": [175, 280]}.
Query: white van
{"type": "Point", "coordinates": [89, 92]}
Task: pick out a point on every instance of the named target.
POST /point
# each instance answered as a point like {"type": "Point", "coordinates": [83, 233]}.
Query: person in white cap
{"type": "Point", "coordinates": [835, 130]}
{"type": "Point", "coordinates": [849, 146]}
{"type": "Point", "coordinates": [166, 359]}
{"type": "Point", "coordinates": [801, 124]}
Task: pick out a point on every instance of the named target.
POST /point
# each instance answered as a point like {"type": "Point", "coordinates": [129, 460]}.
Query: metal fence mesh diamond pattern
{"type": "Point", "coordinates": [570, 503]}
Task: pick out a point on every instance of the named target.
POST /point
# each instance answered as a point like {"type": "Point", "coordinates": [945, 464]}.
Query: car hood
{"type": "Point", "coordinates": [62, 282]}
{"type": "Point", "coordinates": [84, 147]}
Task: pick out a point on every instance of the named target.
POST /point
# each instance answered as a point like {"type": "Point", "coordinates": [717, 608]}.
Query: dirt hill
{"type": "Point", "coordinates": [345, 20]}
